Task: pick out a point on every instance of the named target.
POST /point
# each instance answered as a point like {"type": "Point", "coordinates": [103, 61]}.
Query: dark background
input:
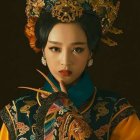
{"type": "Point", "coordinates": [116, 69]}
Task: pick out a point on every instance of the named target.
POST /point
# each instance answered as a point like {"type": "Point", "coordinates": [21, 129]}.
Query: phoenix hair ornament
{"type": "Point", "coordinates": [68, 10]}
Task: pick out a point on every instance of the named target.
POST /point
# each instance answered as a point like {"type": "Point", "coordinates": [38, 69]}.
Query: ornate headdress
{"type": "Point", "coordinates": [68, 10]}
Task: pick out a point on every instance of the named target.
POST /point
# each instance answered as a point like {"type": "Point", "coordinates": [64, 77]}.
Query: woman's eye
{"type": "Point", "coordinates": [54, 49]}
{"type": "Point", "coordinates": [78, 50]}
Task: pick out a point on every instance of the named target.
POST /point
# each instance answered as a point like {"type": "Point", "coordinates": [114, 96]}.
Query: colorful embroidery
{"type": "Point", "coordinates": [72, 126]}
{"type": "Point", "coordinates": [22, 128]}
{"type": "Point", "coordinates": [57, 119]}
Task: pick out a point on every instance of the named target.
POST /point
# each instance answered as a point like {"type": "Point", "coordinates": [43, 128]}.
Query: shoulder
{"type": "Point", "coordinates": [113, 99]}
{"type": "Point", "coordinates": [112, 105]}
{"type": "Point", "coordinates": [18, 111]}
{"type": "Point", "coordinates": [28, 100]}
{"type": "Point", "coordinates": [107, 94]}
{"type": "Point", "coordinates": [28, 97]}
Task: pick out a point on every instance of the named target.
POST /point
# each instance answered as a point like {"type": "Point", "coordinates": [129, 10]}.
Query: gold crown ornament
{"type": "Point", "coordinates": [68, 10]}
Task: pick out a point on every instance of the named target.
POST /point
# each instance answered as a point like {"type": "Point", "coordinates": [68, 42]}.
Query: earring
{"type": "Point", "coordinates": [90, 62]}
{"type": "Point", "coordinates": [43, 60]}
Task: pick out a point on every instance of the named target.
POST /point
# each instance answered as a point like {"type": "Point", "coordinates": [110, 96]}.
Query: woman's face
{"type": "Point", "coordinates": [67, 52]}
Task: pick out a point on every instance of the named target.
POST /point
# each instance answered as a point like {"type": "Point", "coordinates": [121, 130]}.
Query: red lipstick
{"type": "Point", "coordinates": [65, 72]}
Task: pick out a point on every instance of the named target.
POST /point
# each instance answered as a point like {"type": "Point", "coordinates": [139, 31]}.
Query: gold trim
{"type": "Point", "coordinates": [37, 97]}
{"type": "Point", "coordinates": [91, 103]}
{"type": "Point", "coordinates": [120, 112]}
{"type": "Point", "coordinates": [11, 119]}
{"type": "Point", "coordinates": [16, 114]}
{"type": "Point", "coordinates": [113, 117]}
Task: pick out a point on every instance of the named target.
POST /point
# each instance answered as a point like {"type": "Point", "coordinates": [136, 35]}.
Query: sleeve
{"type": "Point", "coordinates": [127, 129]}
{"type": "Point", "coordinates": [4, 134]}
{"type": "Point", "coordinates": [69, 123]}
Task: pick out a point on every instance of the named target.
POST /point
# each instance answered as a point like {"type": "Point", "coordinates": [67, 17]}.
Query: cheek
{"type": "Point", "coordinates": [82, 61]}
{"type": "Point", "coordinates": [82, 65]}
{"type": "Point", "coordinates": [50, 63]}
{"type": "Point", "coordinates": [52, 67]}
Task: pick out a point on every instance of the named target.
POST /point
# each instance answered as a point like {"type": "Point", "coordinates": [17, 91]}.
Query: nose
{"type": "Point", "coordinates": [66, 58]}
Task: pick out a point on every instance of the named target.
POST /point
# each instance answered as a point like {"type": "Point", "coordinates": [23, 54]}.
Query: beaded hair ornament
{"type": "Point", "coordinates": [68, 10]}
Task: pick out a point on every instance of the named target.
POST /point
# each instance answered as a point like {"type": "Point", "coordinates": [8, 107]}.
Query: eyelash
{"type": "Point", "coordinates": [75, 50]}
{"type": "Point", "coordinates": [54, 49]}
{"type": "Point", "coordinates": [78, 50]}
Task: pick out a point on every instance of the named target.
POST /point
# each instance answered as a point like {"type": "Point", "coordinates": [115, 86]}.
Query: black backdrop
{"type": "Point", "coordinates": [116, 69]}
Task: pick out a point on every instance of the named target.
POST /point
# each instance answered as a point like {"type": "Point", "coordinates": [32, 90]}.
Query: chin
{"type": "Point", "coordinates": [67, 80]}
{"type": "Point", "coordinates": [70, 81]}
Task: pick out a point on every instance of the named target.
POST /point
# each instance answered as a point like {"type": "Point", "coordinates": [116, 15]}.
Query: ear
{"type": "Point", "coordinates": [90, 54]}
{"type": "Point", "coordinates": [43, 52]}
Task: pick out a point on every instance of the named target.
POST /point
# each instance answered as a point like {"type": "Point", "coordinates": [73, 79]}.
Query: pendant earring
{"type": "Point", "coordinates": [43, 60]}
{"type": "Point", "coordinates": [90, 62]}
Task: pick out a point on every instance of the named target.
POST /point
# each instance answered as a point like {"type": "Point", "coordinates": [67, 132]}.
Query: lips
{"type": "Point", "coordinates": [65, 72]}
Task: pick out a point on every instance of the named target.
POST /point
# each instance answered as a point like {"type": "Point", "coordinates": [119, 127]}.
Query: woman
{"type": "Point", "coordinates": [69, 106]}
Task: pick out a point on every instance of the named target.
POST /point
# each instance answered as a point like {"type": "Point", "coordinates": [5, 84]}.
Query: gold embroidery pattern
{"type": "Point", "coordinates": [101, 110]}
{"type": "Point", "coordinates": [72, 125]}
{"type": "Point", "coordinates": [26, 108]}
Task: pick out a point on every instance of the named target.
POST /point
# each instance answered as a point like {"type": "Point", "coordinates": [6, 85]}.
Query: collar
{"type": "Point", "coordinates": [79, 92]}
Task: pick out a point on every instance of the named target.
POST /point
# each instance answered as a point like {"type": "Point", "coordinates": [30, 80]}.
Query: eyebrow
{"type": "Point", "coordinates": [73, 43]}
{"type": "Point", "coordinates": [54, 42]}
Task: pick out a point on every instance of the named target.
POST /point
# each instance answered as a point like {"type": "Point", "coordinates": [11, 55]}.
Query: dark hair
{"type": "Point", "coordinates": [88, 21]}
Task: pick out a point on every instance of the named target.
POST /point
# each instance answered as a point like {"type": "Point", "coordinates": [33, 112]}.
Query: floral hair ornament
{"type": "Point", "coordinates": [68, 10]}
